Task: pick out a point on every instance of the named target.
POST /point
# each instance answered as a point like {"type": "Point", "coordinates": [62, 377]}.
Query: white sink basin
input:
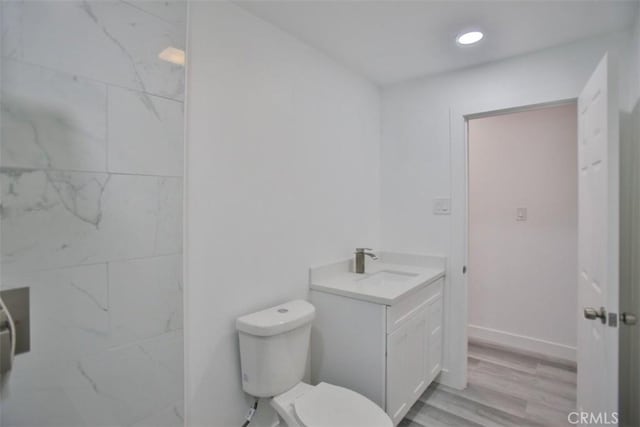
{"type": "Point", "coordinates": [387, 277]}
{"type": "Point", "coordinates": [383, 283]}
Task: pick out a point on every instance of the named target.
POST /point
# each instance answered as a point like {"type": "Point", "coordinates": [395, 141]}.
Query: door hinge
{"type": "Point", "coordinates": [613, 320]}
{"type": "Point", "coordinates": [464, 269]}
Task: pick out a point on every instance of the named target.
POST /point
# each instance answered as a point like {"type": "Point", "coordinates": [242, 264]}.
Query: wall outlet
{"type": "Point", "coordinates": [442, 206]}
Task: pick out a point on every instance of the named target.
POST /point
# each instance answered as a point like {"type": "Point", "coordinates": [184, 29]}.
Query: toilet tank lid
{"type": "Point", "coordinates": [278, 319]}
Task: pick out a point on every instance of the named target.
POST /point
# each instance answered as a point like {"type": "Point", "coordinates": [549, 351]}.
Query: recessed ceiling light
{"type": "Point", "coordinates": [470, 37]}
{"type": "Point", "coordinates": [173, 55]}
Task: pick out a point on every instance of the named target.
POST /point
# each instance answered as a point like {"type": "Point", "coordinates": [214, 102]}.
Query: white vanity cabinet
{"type": "Point", "coordinates": [388, 353]}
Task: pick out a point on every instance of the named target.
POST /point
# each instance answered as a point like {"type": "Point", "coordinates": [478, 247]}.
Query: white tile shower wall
{"type": "Point", "coordinates": [57, 219]}
{"type": "Point", "coordinates": [123, 386]}
{"type": "Point", "coordinates": [109, 41]}
{"type": "Point", "coordinates": [140, 124]}
{"type": "Point", "coordinates": [91, 184]}
{"type": "Point", "coordinates": [132, 281]}
{"type": "Point", "coordinates": [52, 119]}
{"type": "Point", "coordinates": [70, 309]}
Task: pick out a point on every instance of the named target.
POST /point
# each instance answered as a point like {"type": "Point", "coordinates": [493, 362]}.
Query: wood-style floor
{"type": "Point", "coordinates": [504, 389]}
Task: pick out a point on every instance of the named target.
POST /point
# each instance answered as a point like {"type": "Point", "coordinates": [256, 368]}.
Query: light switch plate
{"type": "Point", "coordinates": [521, 214]}
{"type": "Point", "coordinates": [442, 206]}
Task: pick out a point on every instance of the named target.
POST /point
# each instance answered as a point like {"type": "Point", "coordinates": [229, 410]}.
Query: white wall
{"type": "Point", "coordinates": [415, 143]}
{"type": "Point", "coordinates": [416, 163]}
{"type": "Point", "coordinates": [91, 190]}
{"type": "Point", "coordinates": [282, 173]}
{"type": "Point", "coordinates": [520, 269]}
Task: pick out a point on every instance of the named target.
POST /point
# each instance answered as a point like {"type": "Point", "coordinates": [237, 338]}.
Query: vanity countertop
{"type": "Point", "coordinates": [386, 281]}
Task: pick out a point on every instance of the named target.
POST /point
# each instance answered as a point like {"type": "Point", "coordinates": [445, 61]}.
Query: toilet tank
{"type": "Point", "coordinates": [274, 345]}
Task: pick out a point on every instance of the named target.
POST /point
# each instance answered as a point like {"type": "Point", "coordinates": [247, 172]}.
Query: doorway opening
{"type": "Point", "coordinates": [522, 257]}
{"type": "Point", "coordinates": [598, 251]}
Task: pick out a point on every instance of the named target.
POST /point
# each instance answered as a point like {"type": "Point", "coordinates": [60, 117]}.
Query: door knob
{"type": "Point", "coordinates": [591, 313]}
{"type": "Point", "coordinates": [628, 318]}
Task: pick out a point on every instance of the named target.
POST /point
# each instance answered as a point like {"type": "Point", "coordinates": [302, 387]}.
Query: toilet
{"type": "Point", "coordinates": [274, 346]}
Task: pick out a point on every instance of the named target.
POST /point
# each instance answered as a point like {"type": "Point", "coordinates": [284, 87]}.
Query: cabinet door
{"type": "Point", "coordinates": [406, 364]}
{"type": "Point", "coordinates": [434, 341]}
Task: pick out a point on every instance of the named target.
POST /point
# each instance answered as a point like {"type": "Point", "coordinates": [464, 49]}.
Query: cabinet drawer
{"type": "Point", "coordinates": [399, 313]}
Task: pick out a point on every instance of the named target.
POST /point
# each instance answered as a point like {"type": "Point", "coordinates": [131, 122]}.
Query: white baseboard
{"type": "Point", "coordinates": [522, 342]}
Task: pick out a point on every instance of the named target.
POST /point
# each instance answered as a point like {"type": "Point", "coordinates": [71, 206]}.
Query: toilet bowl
{"type": "Point", "coordinates": [326, 405]}
{"type": "Point", "coordinates": [274, 345]}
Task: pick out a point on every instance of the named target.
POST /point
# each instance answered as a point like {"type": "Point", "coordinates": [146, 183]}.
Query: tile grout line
{"type": "Point", "coordinates": [144, 340]}
{"type": "Point", "coordinates": [132, 4]}
{"type": "Point", "coordinates": [93, 264]}
{"type": "Point", "coordinates": [106, 130]}
{"type": "Point", "coordinates": [90, 79]}
{"type": "Point", "coordinates": [79, 171]}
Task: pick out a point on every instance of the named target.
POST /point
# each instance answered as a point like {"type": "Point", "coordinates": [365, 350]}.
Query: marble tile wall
{"type": "Point", "coordinates": [91, 166]}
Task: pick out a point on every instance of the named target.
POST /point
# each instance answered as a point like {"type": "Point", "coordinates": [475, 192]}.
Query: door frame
{"type": "Point", "coordinates": [458, 304]}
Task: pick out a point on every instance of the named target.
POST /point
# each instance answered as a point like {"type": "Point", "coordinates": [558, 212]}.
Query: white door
{"type": "Point", "coordinates": [598, 145]}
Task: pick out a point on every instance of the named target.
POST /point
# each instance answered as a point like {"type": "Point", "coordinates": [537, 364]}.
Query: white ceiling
{"type": "Point", "coordinates": [393, 40]}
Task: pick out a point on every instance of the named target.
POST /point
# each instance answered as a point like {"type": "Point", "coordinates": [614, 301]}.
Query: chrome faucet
{"type": "Point", "coordinates": [360, 253]}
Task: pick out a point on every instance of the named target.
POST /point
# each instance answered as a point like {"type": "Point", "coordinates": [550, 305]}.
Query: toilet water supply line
{"type": "Point", "coordinates": [250, 414]}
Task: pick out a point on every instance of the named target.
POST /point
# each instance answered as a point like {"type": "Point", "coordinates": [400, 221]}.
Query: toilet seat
{"type": "Point", "coordinates": [327, 405]}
